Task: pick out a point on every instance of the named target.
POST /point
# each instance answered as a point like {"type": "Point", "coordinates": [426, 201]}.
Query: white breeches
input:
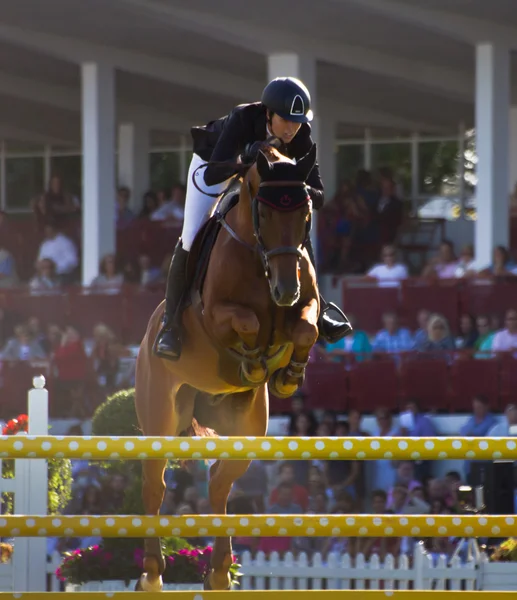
{"type": "Point", "coordinates": [198, 206]}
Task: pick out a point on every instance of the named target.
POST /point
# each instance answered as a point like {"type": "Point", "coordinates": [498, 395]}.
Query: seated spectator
{"type": "Point", "coordinates": [421, 426]}
{"type": "Point", "coordinates": [110, 280]}
{"type": "Point", "coordinates": [356, 343]}
{"type": "Point", "coordinates": [389, 272]}
{"type": "Point", "coordinates": [123, 214]}
{"type": "Point", "coordinates": [468, 332]}
{"type": "Point", "coordinates": [174, 208]}
{"type": "Point", "coordinates": [481, 421]}
{"type": "Point", "coordinates": [149, 275]}
{"type": "Point", "coordinates": [34, 327]}
{"type": "Point", "coordinates": [45, 280]}
{"type": "Point", "coordinates": [502, 264]}
{"type": "Point", "coordinates": [299, 494]}
{"type": "Point", "coordinates": [466, 264]}
{"type": "Point", "coordinates": [383, 545]}
{"type": "Point", "coordinates": [444, 265]}
{"type": "Point", "coordinates": [439, 337]}
{"type": "Point", "coordinates": [55, 204]}
{"type": "Point", "coordinates": [405, 474]}
{"type": "Point", "coordinates": [62, 251]}
{"type": "Point", "coordinates": [402, 503]}
{"type": "Point", "coordinates": [506, 339]}
{"type": "Point", "coordinates": [342, 476]}
{"type": "Point", "coordinates": [8, 276]}
{"type": "Point", "coordinates": [54, 337]}
{"type": "Point", "coordinates": [503, 429]}
{"type": "Point", "coordinates": [423, 321]}
{"type": "Point", "coordinates": [106, 356]}
{"type": "Point", "coordinates": [486, 335]}
{"type": "Point", "coordinates": [150, 204]}
{"type": "Point", "coordinates": [392, 338]}
{"type": "Point", "coordinates": [22, 347]}
{"type": "Point", "coordinates": [354, 424]}
{"type": "Point", "coordinates": [284, 505]}
{"type": "Point", "coordinates": [383, 472]}
{"type": "Point", "coordinates": [437, 491]}
{"type": "Point", "coordinates": [253, 484]}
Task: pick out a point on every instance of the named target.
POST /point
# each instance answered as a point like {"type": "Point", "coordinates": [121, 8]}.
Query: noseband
{"type": "Point", "coordinates": [263, 252]}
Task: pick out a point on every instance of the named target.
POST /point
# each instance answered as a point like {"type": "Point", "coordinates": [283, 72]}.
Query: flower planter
{"type": "Point", "coordinates": [120, 586]}
{"type": "Point", "coordinates": [499, 576]}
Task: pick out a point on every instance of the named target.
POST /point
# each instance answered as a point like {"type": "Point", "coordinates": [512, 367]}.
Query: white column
{"type": "Point", "coordinates": [303, 67]}
{"type": "Point", "coordinates": [492, 146]}
{"type": "Point", "coordinates": [133, 161]}
{"type": "Point", "coordinates": [512, 167]}
{"type": "Point", "coordinates": [98, 124]}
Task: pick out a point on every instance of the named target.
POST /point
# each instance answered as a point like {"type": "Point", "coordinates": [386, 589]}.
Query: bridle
{"type": "Point", "coordinates": [259, 247]}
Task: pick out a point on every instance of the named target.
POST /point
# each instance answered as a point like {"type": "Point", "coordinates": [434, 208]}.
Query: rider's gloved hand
{"type": "Point", "coordinates": [250, 152]}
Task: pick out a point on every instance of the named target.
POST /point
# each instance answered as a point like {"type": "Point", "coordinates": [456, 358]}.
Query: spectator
{"type": "Point", "coordinates": [466, 263]}
{"type": "Point", "coordinates": [506, 340]}
{"type": "Point", "coordinates": [423, 321]}
{"type": "Point", "coordinates": [150, 204]}
{"type": "Point", "coordinates": [55, 204]}
{"type": "Point", "coordinates": [445, 264]}
{"type": "Point", "coordinates": [402, 503]}
{"type": "Point", "coordinates": [8, 276]}
{"type": "Point", "coordinates": [45, 280]}
{"type": "Point", "coordinates": [36, 333]}
{"type": "Point", "coordinates": [284, 505]}
{"type": "Point", "coordinates": [481, 421]}
{"type": "Point", "coordinates": [380, 546]}
{"type": "Point", "coordinates": [383, 470]}
{"type": "Point", "coordinates": [503, 429]}
{"type": "Point", "coordinates": [389, 210]}
{"type": "Point", "coordinates": [22, 347]}
{"type": "Point", "coordinates": [389, 272]}
{"type": "Point", "coordinates": [61, 250]}
{"type": "Point", "coordinates": [485, 335]}
{"type": "Point", "coordinates": [174, 208]}
{"type": "Point", "coordinates": [254, 483]}
{"type": "Point", "coordinates": [110, 280]}
{"type": "Point", "coordinates": [286, 476]}
{"type": "Point", "coordinates": [123, 215]}
{"type": "Point", "coordinates": [392, 338]}
{"type": "Point", "coordinates": [356, 343]}
{"type": "Point", "coordinates": [439, 337]}
{"type": "Point", "coordinates": [405, 475]}
{"type": "Point", "coordinates": [105, 355]}
{"type": "Point", "coordinates": [502, 264]}
{"type": "Point", "coordinates": [149, 275]}
{"type": "Point", "coordinates": [468, 332]}
{"type": "Point", "coordinates": [420, 425]}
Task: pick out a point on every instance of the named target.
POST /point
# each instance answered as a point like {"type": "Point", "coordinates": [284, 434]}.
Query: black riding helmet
{"type": "Point", "coordinates": [289, 98]}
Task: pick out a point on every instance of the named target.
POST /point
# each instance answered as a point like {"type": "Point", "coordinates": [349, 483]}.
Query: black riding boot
{"type": "Point", "coordinates": [330, 330]}
{"type": "Point", "coordinates": [168, 341]}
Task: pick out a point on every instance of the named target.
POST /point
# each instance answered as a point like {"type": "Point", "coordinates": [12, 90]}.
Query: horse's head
{"type": "Point", "coordinates": [282, 210]}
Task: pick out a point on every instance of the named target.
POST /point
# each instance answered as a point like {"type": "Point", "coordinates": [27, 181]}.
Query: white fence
{"type": "Point", "coordinates": [345, 572]}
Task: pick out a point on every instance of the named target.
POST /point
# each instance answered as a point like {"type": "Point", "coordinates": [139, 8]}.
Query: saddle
{"type": "Point", "coordinates": [199, 256]}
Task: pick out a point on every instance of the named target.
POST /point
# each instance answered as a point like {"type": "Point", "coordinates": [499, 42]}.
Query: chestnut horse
{"type": "Point", "coordinates": [253, 327]}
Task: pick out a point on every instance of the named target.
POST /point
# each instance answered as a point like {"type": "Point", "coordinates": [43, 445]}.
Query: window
{"type": "Point", "coordinates": [24, 180]}
{"type": "Point", "coordinates": [397, 157]}
{"type": "Point", "coordinates": [438, 167]}
{"type": "Point", "coordinates": [350, 158]}
{"type": "Point", "coordinates": [69, 169]}
{"type": "Point", "coordinates": [164, 169]}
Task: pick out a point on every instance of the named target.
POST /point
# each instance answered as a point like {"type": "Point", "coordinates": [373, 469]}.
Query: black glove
{"type": "Point", "coordinates": [250, 152]}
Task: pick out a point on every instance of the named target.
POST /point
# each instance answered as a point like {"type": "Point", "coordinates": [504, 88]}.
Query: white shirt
{"type": "Point", "coordinates": [62, 251]}
{"type": "Point", "coordinates": [389, 276]}
{"type": "Point", "coordinates": [504, 341]}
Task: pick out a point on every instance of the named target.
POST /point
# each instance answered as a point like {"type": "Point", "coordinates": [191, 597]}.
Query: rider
{"type": "Point", "coordinates": [283, 112]}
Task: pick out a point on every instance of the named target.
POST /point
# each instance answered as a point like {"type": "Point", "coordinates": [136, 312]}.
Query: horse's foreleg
{"type": "Point", "coordinates": [230, 319]}
{"type": "Point", "coordinates": [286, 381]}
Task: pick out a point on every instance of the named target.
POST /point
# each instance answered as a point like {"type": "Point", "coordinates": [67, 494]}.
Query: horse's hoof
{"type": "Point", "coordinates": [144, 585]}
{"type": "Point", "coordinates": [207, 587]}
{"type": "Point", "coordinates": [279, 389]}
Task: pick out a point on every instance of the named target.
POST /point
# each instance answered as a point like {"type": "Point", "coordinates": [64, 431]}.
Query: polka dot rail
{"type": "Point", "coordinates": [286, 595]}
{"type": "Point", "coordinates": [266, 448]}
{"type": "Point", "coordinates": [260, 525]}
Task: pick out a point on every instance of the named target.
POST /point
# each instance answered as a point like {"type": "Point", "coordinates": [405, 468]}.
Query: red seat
{"type": "Point", "coordinates": [426, 380]}
{"type": "Point", "coordinates": [487, 297]}
{"type": "Point", "coordinates": [373, 383]}
{"type": "Point", "coordinates": [88, 310]}
{"type": "Point", "coordinates": [48, 308]}
{"type": "Point", "coordinates": [508, 381]}
{"type": "Point", "coordinates": [469, 378]}
{"type": "Point", "coordinates": [368, 303]}
{"type": "Point", "coordinates": [441, 297]}
{"type": "Point", "coordinates": [140, 306]}
{"type": "Point", "coordinates": [325, 385]}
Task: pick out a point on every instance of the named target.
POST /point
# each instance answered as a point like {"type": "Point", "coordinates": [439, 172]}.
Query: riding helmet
{"type": "Point", "coordinates": [289, 98]}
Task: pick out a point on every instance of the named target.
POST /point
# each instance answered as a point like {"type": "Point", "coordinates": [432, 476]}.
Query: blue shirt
{"type": "Point", "coordinates": [475, 428]}
{"type": "Point", "coordinates": [400, 341]}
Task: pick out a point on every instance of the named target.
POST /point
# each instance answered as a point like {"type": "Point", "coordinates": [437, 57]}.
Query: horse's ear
{"type": "Point", "coordinates": [305, 165]}
{"type": "Point", "coordinates": [263, 165]}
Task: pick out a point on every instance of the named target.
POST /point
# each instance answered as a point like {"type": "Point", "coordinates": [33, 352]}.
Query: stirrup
{"type": "Point", "coordinates": [331, 306]}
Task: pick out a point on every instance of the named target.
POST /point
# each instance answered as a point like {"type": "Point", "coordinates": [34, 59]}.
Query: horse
{"type": "Point", "coordinates": [249, 327]}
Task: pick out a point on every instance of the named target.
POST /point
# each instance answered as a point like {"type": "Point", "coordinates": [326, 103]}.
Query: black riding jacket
{"type": "Point", "coordinates": [225, 139]}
